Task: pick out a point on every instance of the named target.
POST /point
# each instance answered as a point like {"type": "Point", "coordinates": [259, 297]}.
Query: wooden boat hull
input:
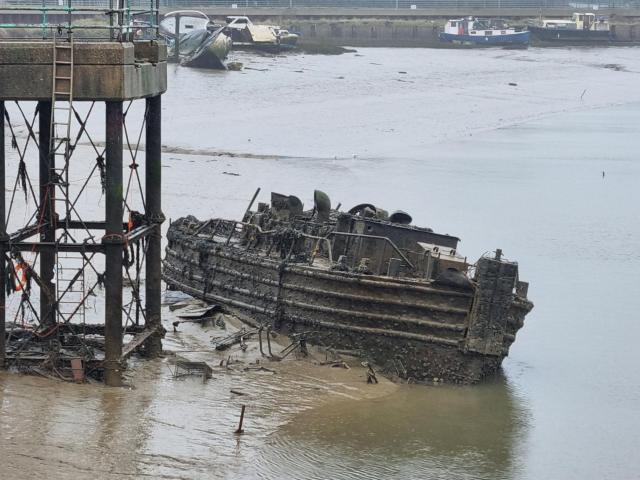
{"type": "Point", "coordinates": [412, 329]}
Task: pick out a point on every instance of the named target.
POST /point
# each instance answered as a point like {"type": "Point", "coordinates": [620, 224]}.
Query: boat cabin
{"type": "Point", "coordinates": [394, 249]}
{"type": "Point", "coordinates": [244, 31]}
{"type": "Point", "coordinates": [185, 20]}
{"type": "Point", "coordinates": [579, 21]}
{"type": "Point", "coordinates": [477, 26]}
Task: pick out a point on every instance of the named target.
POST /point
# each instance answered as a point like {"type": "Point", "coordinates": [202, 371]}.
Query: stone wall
{"type": "Point", "coordinates": [363, 32]}
{"type": "Point", "coordinates": [369, 32]}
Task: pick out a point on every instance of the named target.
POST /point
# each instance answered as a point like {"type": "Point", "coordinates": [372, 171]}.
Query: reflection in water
{"type": "Point", "coordinates": [460, 432]}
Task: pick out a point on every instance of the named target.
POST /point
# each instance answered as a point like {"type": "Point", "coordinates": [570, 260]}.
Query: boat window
{"type": "Point", "coordinates": [488, 32]}
{"type": "Point", "coordinates": [454, 24]}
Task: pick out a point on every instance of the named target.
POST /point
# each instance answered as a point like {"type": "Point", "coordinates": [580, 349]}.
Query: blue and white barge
{"type": "Point", "coordinates": [478, 31]}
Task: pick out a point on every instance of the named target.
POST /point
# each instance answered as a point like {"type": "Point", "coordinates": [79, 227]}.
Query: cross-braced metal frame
{"type": "Point", "coordinates": [125, 245]}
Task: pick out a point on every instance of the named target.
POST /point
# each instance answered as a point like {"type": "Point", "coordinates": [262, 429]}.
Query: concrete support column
{"type": "Point", "coordinates": [47, 214]}
{"type": "Point", "coordinates": [114, 243]}
{"type": "Point", "coordinates": [153, 189]}
{"type": "Point", "coordinates": [3, 241]}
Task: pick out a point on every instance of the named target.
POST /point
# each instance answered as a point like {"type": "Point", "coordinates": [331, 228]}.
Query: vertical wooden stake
{"type": "Point", "coordinates": [240, 429]}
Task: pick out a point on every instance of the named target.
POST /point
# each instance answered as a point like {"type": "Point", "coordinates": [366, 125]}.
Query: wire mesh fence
{"type": "Point", "coordinates": [89, 19]}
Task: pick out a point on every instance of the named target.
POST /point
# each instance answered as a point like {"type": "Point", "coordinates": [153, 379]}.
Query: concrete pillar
{"type": "Point", "coordinates": [3, 241]}
{"type": "Point", "coordinates": [47, 214]}
{"type": "Point", "coordinates": [114, 242]}
{"type": "Point", "coordinates": [153, 189]}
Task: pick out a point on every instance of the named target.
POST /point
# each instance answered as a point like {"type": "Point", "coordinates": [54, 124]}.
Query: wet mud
{"type": "Point", "coordinates": [163, 426]}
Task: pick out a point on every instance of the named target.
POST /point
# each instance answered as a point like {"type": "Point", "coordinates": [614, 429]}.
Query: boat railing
{"type": "Point", "coordinates": [325, 240]}
{"type": "Point", "coordinates": [106, 20]}
{"type": "Point", "coordinates": [387, 241]}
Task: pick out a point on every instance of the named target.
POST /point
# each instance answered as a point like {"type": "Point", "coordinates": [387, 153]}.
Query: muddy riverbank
{"type": "Point", "coordinates": [163, 426]}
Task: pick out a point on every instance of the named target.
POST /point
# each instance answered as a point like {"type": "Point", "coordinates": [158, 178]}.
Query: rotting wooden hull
{"type": "Point", "coordinates": [410, 328]}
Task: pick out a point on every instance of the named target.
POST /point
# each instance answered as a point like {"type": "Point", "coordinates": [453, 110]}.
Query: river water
{"type": "Point", "coordinates": [503, 148]}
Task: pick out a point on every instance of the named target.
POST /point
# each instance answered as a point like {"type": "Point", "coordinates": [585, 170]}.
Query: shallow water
{"type": "Point", "coordinates": [450, 141]}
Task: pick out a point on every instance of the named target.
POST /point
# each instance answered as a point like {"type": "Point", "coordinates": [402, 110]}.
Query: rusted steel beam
{"type": "Point", "coordinates": [3, 240]}
{"type": "Point", "coordinates": [47, 213]}
{"type": "Point", "coordinates": [88, 224]}
{"type": "Point", "coordinates": [153, 190]}
{"type": "Point", "coordinates": [137, 341]}
{"type": "Point", "coordinates": [114, 242]}
{"type": "Point", "coordinates": [46, 247]}
{"type": "Point", "coordinates": [24, 233]}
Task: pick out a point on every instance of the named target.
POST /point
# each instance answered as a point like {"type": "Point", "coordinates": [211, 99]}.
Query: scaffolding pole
{"type": "Point", "coordinates": [114, 243]}
{"type": "Point", "coordinates": [3, 241]}
{"type": "Point", "coordinates": [46, 213]}
{"type": "Point", "coordinates": [153, 189]}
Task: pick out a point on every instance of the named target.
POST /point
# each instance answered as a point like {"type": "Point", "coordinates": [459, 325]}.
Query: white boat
{"type": "Point", "coordinates": [245, 33]}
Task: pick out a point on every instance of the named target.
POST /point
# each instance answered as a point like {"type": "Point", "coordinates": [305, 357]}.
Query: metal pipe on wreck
{"type": "Point", "coordinates": [260, 340]}
{"type": "Point", "coordinates": [253, 199]}
{"type": "Point", "coordinates": [269, 340]}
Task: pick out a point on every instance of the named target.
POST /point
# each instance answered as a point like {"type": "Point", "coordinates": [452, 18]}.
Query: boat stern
{"type": "Point", "coordinates": [499, 306]}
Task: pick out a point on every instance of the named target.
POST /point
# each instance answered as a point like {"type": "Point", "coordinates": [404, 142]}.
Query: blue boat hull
{"type": "Point", "coordinates": [519, 38]}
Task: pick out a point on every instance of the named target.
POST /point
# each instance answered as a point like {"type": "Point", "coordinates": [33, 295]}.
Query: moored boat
{"type": "Point", "coordinates": [483, 32]}
{"type": "Point", "coordinates": [247, 34]}
{"type": "Point", "coordinates": [400, 296]}
{"type": "Point", "coordinates": [582, 27]}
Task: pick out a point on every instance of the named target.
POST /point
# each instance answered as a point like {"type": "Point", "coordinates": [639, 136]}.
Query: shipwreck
{"type": "Point", "coordinates": [194, 41]}
{"type": "Point", "coordinates": [361, 281]}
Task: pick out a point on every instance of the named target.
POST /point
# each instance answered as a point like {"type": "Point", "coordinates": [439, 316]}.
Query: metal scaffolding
{"type": "Point", "coordinates": [58, 259]}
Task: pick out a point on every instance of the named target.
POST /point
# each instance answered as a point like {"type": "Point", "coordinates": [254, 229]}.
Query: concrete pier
{"type": "Point", "coordinates": [112, 72]}
{"type": "Point", "coordinates": [103, 71]}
